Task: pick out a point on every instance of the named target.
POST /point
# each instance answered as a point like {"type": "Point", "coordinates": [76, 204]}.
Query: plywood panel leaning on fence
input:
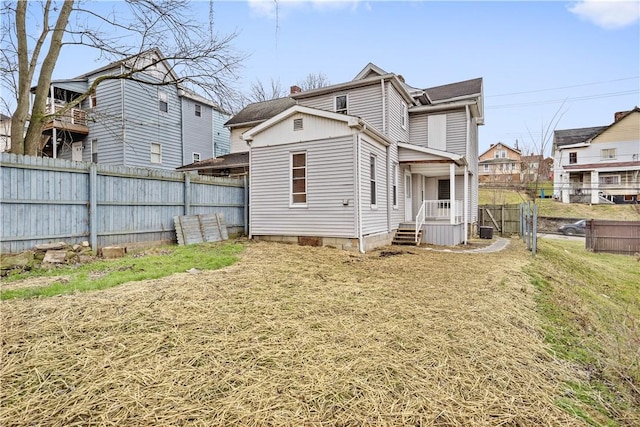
{"type": "Point", "coordinates": [200, 228]}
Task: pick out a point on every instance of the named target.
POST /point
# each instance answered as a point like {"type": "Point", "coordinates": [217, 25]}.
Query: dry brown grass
{"type": "Point", "coordinates": [290, 336]}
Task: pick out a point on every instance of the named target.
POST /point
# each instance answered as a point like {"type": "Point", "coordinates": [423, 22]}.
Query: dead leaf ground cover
{"type": "Point", "coordinates": [290, 335]}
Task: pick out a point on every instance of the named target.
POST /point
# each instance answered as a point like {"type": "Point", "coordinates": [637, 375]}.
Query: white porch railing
{"type": "Point", "coordinates": [420, 219]}
{"type": "Point", "coordinates": [441, 210]}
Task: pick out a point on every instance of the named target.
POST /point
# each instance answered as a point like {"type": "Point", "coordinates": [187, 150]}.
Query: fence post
{"type": "Point", "coordinates": [187, 194]}
{"type": "Point", "coordinates": [534, 232]}
{"type": "Point", "coordinates": [246, 206]}
{"type": "Point", "coordinates": [93, 208]}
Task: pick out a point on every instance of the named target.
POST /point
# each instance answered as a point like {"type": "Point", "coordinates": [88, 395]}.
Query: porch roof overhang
{"type": "Point", "coordinates": [427, 161]}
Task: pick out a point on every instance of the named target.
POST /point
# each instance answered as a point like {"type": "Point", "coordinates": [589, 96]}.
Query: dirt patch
{"type": "Point", "coordinates": [290, 335]}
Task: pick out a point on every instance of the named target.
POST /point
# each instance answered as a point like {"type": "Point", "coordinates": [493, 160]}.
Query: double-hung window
{"type": "Point", "coordinates": [394, 188]}
{"type": "Point", "coordinates": [608, 154]}
{"type": "Point", "coordinates": [372, 179]}
{"type": "Point", "coordinates": [573, 158]}
{"type": "Point", "coordinates": [198, 110]}
{"type": "Point", "coordinates": [156, 152]}
{"type": "Point", "coordinates": [341, 104]}
{"type": "Point", "coordinates": [299, 179]}
{"type": "Point", "coordinates": [163, 103]}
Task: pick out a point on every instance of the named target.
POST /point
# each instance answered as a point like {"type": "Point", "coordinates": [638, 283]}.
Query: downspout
{"type": "Point", "coordinates": [359, 189]}
{"type": "Point", "coordinates": [124, 133]}
{"type": "Point", "coordinates": [389, 189]}
{"type": "Point", "coordinates": [466, 177]}
{"type": "Point", "coordinates": [384, 107]}
{"type": "Point", "coordinates": [250, 187]}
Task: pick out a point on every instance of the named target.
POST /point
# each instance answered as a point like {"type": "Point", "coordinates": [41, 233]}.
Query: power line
{"type": "Point", "coordinates": [556, 101]}
{"type": "Point", "coordinates": [563, 87]}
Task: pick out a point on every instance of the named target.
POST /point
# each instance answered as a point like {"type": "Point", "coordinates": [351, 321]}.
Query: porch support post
{"type": "Point", "coordinates": [452, 193]}
{"type": "Point", "coordinates": [465, 207]}
{"type": "Point", "coordinates": [595, 199]}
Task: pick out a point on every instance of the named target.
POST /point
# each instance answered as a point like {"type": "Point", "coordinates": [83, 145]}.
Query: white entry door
{"type": "Point", "coordinates": [408, 203]}
{"type": "Point", "coordinates": [76, 151]}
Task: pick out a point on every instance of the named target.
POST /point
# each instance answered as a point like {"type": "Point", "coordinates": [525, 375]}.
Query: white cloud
{"type": "Point", "coordinates": [283, 8]}
{"type": "Point", "coordinates": [608, 14]}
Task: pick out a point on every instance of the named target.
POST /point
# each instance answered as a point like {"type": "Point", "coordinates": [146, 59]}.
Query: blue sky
{"type": "Point", "coordinates": [531, 55]}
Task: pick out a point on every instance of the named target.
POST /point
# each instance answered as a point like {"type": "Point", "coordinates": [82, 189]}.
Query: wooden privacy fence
{"type": "Point", "coordinates": [615, 237]}
{"type": "Point", "coordinates": [45, 200]}
{"type": "Point", "coordinates": [505, 219]}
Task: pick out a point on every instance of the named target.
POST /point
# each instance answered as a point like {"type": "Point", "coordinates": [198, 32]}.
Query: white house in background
{"type": "Point", "coordinates": [599, 164]}
{"type": "Point", "coordinates": [5, 133]}
{"type": "Point", "coordinates": [353, 164]}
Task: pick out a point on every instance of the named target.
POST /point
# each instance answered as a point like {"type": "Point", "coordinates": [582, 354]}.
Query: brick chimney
{"type": "Point", "coordinates": [617, 116]}
{"type": "Point", "coordinates": [295, 89]}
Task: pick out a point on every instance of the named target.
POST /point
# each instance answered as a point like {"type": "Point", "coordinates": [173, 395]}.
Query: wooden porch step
{"type": "Point", "coordinates": [406, 236]}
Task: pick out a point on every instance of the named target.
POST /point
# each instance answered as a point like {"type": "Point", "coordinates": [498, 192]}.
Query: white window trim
{"type": "Point", "coordinates": [373, 178]}
{"type": "Point", "coordinates": [306, 180]}
{"type": "Point", "coordinates": [193, 156]}
{"type": "Point", "coordinates": [603, 177]}
{"type": "Point", "coordinates": [162, 97]}
{"type": "Point", "coordinates": [198, 110]}
{"type": "Point", "coordinates": [335, 103]}
{"type": "Point", "coordinates": [93, 100]}
{"type": "Point", "coordinates": [405, 119]}
{"type": "Point", "coordinates": [603, 158]}
{"type": "Point", "coordinates": [159, 153]}
{"type": "Point", "coordinates": [394, 184]}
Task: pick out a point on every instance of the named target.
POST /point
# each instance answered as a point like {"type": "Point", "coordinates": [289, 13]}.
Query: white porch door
{"type": "Point", "coordinates": [408, 203]}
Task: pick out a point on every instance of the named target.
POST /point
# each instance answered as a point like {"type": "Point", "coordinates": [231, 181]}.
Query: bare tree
{"type": "Point", "coordinates": [535, 164]}
{"type": "Point", "coordinates": [194, 56]}
{"type": "Point", "coordinates": [258, 92]}
{"type": "Point", "coordinates": [314, 81]}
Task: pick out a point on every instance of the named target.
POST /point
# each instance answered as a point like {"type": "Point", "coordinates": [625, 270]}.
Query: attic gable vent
{"type": "Point", "coordinates": [297, 124]}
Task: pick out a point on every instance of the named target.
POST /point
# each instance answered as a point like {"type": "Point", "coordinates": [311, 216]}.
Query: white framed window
{"type": "Point", "coordinates": [299, 179]}
{"type": "Point", "coordinates": [93, 100]}
{"type": "Point", "coordinates": [196, 157]}
{"type": "Point", "coordinates": [94, 150]}
{"type": "Point", "coordinates": [608, 153]}
{"type": "Point", "coordinates": [573, 158]}
{"type": "Point", "coordinates": [486, 167]}
{"type": "Point", "coordinates": [341, 104]}
{"type": "Point", "coordinates": [609, 179]}
{"type": "Point", "coordinates": [163, 103]}
{"type": "Point", "coordinates": [156, 152]}
{"type": "Point", "coordinates": [394, 183]}
{"type": "Point", "coordinates": [404, 116]}
{"type": "Point", "coordinates": [198, 110]}
{"type": "Point", "coordinates": [373, 181]}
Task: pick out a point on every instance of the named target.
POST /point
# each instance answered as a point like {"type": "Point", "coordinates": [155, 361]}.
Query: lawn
{"type": "Point", "coordinates": [292, 335]}
{"type": "Point", "coordinates": [553, 208]}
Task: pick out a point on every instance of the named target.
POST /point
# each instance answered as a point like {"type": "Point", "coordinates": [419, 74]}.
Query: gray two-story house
{"type": "Point", "coordinates": [351, 165]}
{"type": "Point", "coordinates": [147, 122]}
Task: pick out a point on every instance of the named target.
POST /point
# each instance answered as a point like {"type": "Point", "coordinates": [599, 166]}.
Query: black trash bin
{"type": "Point", "coordinates": [486, 232]}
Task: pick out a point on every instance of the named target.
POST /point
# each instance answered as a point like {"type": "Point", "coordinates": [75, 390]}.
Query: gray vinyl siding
{"type": "Point", "coordinates": [394, 118]}
{"type": "Point", "coordinates": [330, 181]}
{"type": "Point", "coordinates": [221, 134]}
{"type": "Point", "coordinates": [418, 129]}
{"type": "Point", "coordinates": [106, 124]}
{"type": "Point", "coordinates": [197, 132]}
{"type": "Point", "coordinates": [374, 220]}
{"type": "Point", "coordinates": [146, 124]}
{"type": "Point", "coordinates": [457, 132]}
{"type": "Point", "coordinates": [364, 102]}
